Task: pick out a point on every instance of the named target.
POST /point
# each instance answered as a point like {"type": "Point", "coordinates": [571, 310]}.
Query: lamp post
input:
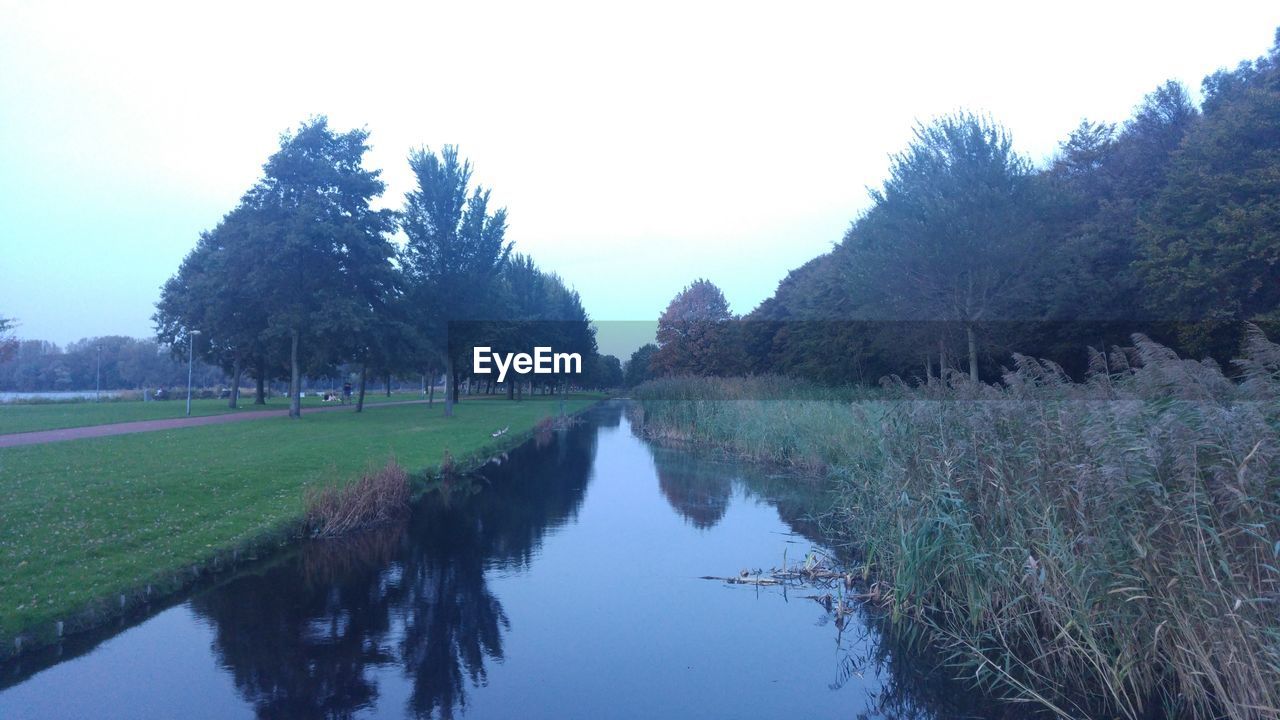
{"type": "Point", "coordinates": [97, 378]}
{"type": "Point", "coordinates": [191, 345]}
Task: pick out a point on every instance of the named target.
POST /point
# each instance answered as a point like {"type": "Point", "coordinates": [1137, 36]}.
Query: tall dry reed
{"type": "Point", "coordinates": [379, 496]}
{"type": "Point", "coordinates": [1108, 547]}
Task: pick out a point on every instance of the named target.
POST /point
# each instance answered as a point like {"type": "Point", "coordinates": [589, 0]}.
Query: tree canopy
{"type": "Point", "coordinates": [302, 276]}
{"type": "Point", "coordinates": [696, 335]}
{"type": "Point", "coordinates": [1166, 225]}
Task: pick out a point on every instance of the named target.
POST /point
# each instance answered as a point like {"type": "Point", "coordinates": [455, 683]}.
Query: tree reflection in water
{"type": "Point", "coordinates": [305, 637]}
{"type": "Point", "coordinates": [698, 489]}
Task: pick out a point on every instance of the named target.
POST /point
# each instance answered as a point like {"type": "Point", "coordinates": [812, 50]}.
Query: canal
{"type": "Point", "coordinates": [564, 582]}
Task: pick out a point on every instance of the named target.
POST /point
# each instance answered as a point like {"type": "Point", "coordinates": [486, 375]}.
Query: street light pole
{"type": "Point", "coordinates": [191, 345]}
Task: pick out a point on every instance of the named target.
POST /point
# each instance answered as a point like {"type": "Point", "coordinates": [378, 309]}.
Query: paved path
{"type": "Point", "coordinates": [77, 433]}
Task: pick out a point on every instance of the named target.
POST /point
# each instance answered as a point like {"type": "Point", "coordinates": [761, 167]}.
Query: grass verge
{"type": "Point", "coordinates": [92, 526]}
{"type": "Point", "coordinates": [1106, 548]}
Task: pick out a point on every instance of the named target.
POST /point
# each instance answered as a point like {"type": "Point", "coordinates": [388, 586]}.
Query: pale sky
{"type": "Point", "coordinates": [636, 147]}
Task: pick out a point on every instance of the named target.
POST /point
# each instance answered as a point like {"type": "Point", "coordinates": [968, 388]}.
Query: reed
{"type": "Point", "coordinates": [1102, 548]}
{"type": "Point", "coordinates": [379, 496]}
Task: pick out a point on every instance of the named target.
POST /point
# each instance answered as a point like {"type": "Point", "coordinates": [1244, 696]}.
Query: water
{"type": "Point", "coordinates": [57, 396]}
{"type": "Point", "coordinates": [565, 584]}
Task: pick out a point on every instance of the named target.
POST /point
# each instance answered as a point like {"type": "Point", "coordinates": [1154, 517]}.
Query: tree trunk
{"type": "Point", "coordinates": [260, 384]}
{"type": "Point", "coordinates": [431, 391]}
{"type": "Point", "coordinates": [450, 386]}
{"type": "Point", "coordinates": [942, 359]}
{"type": "Point", "coordinates": [511, 389]}
{"type": "Point", "coordinates": [295, 379]}
{"type": "Point", "coordinates": [973, 352]}
{"type": "Point", "coordinates": [388, 384]}
{"type": "Point", "coordinates": [364, 381]}
{"type": "Point", "coordinates": [236, 372]}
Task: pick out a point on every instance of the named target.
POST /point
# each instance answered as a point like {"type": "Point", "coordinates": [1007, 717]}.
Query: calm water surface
{"type": "Point", "coordinates": [564, 584]}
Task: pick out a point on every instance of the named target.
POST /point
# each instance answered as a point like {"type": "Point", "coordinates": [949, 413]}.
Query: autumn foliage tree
{"type": "Point", "coordinates": [697, 335]}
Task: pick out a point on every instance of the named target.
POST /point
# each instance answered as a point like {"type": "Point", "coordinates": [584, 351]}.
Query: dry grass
{"type": "Point", "coordinates": [379, 496]}
{"type": "Point", "coordinates": [1104, 548]}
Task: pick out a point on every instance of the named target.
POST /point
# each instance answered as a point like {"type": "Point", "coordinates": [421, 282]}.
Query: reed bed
{"type": "Point", "coordinates": [1101, 548]}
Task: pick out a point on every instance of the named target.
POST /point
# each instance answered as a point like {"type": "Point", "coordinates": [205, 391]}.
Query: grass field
{"type": "Point", "coordinates": [21, 417]}
{"type": "Point", "coordinates": [87, 520]}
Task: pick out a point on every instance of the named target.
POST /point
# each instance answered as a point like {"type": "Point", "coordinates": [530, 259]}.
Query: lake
{"type": "Point", "coordinates": [563, 583]}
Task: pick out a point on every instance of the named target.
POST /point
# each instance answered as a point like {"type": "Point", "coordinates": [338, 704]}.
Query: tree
{"type": "Point", "coordinates": [637, 368]}
{"type": "Point", "coordinates": [951, 235]}
{"type": "Point", "coordinates": [325, 250]}
{"type": "Point", "coordinates": [570, 329]}
{"type": "Point", "coordinates": [455, 251]}
{"type": "Point", "coordinates": [1211, 244]}
{"type": "Point", "coordinates": [608, 372]}
{"type": "Point", "coordinates": [811, 326]}
{"type": "Point", "coordinates": [8, 345]}
{"type": "Point", "coordinates": [209, 293]}
{"type": "Point", "coordinates": [525, 301]}
{"type": "Point", "coordinates": [696, 334]}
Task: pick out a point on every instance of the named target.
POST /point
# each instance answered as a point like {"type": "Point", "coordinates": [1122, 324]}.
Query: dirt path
{"type": "Point", "coordinates": [125, 428]}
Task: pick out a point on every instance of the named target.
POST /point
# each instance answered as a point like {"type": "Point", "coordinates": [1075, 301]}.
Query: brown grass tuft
{"type": "Point", "coordinates": [379, 496]}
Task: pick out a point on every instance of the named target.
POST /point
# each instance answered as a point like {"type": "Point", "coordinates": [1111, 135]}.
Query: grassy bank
{"type": "Point", "coordinates": [1106, 548]}
{"type": "Point", "coordinates": [90, 524]}
{"type": "Point", "coordinates": [30, 417]}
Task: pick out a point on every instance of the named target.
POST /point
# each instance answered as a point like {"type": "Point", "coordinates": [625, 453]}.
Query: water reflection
{"type": "Point", "coordinates": [513, 594]}
{"type": "Point", "coordinates": [304, 638]}
{"type": "Point", "coordinates": [909, 680]}
{"type": "Point", "coordinates": [699, 483]}
{"type": "Point", "coordinates": [697, 488]}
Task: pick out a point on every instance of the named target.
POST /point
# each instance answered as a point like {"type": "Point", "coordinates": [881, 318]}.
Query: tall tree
{"type": "Point", "coordinates": [1211, 244]}
{"type": "Point", "coordinates": [455, 251]}
{"type": "Point", "coordinates": [951, 235]}
{"type": "Point", "coordinates": [324, 245]}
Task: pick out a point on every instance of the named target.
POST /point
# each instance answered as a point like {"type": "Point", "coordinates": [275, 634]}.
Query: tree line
{"type": "Point", "coordinates": [1167, 224]}
{"type": "Point", "coordinates": [305, 276]}
{"type": "Point", "coordinates": [112, 362]}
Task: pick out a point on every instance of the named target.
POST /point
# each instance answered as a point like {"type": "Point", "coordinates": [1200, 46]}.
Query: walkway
{"type": "Point", "coordinates": [40, 437]}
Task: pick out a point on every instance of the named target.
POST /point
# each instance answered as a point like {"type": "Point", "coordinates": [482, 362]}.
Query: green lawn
{"type": "Point", "coordinates": [89, 519]}
{"type": "Point", "coordinates": [16, 418]}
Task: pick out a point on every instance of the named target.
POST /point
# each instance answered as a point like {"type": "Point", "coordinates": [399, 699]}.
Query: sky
{"type": "Point", "coordinates": [637, 147]}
